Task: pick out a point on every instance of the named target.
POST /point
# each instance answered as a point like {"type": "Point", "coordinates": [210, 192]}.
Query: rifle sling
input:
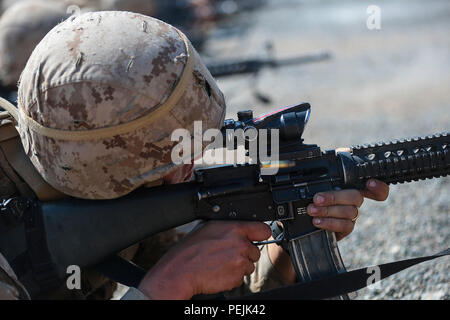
{"type": "Point", "coordinates": [346, 282]}
{"type": "Point", "coordinates": [34, 265]}
{"type": "Point", "coordinates": [124, 272]}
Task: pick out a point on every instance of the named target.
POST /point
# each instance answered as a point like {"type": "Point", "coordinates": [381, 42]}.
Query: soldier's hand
{"type": "Point", "coordinates": [338, 210]}
{"type": "Point", "coordinates": [335, 211]}
{"type": "Point", "coordinates": [213, 259]}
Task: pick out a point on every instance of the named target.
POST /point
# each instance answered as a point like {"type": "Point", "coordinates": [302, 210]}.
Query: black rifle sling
{"type": "Point", "coordinates": [128, 274]}
{"type": "Point", "coordinates": [346, 282]}
{"type": "Point", "coordinates": [44, 271]}
{"type": "Point", "coordinates": [32, 262]}
{"type": "Point", "coordinates": [122, 271]}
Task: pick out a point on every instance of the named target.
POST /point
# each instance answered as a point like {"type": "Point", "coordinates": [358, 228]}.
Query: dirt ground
{"type": "Point", "coordinates": [380, 85]}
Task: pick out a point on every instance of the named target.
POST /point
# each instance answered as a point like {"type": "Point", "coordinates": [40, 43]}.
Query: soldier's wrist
{"type": "Point", "coordinates": [281, 262]}
{"type": "Point", "coordinates": [162, 287]}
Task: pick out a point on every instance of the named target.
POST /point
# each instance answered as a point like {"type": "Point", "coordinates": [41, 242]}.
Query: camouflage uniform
{"type": "Point", "coordinates": [98, 101]}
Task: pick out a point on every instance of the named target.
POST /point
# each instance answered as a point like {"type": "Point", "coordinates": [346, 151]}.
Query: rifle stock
{"type": "Point", "coordinates": [86, 232]}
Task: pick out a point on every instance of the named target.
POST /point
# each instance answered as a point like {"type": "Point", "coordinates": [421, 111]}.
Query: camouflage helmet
{"type": "Point", "coordinates": [22, 26]}
{"type": "Point", "coordinates": [100, 97]}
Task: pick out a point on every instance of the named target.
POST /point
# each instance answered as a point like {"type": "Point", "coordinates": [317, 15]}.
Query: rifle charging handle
{"type": "Point", "coordinates": [245, 115]}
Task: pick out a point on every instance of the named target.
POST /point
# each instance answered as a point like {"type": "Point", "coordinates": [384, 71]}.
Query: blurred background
{"type": "Point", "coordinates": [365, 85]}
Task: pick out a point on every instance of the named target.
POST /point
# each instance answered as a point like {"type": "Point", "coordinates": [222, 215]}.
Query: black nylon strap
{"type": "Point", "coordinates": [340, 284]}
{"type": "Point", "coordinates": [33, 266]}
{"type": "Point", "coordinates": [124, 272]}
{"type": "Point", "coordinates": [44, 270]}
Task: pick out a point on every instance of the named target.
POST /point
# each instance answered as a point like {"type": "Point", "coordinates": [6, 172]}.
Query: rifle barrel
{"type": "Point", "coordinates": [302, 59]}
{"type": "Point", "coordinates": [228, 68]}
{"type": "Point", "coordinates": [405, 160]}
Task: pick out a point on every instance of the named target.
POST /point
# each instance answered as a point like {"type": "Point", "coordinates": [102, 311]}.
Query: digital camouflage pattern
{"type": "Point", "coordinates": [22, 26]}
{"type": "Point", "coordinates": [89, 89]}
{"type": "Point", "coordinates": [101, 69]}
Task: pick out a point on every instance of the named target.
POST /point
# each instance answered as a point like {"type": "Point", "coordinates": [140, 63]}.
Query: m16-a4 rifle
{"type": "Point", "coordinates": [58, 234]}
{"type": "Point", "coordinates": [253, 66]}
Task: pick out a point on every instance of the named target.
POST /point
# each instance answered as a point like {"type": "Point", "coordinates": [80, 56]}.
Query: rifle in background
{"type": "Point", "coordinates": [253, 66]}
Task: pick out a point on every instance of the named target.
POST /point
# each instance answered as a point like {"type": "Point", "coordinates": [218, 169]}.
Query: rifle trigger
{"type": "Point", "coordinates": [262, 243]}
{"type": "Point", "coordinates": [277, 233]}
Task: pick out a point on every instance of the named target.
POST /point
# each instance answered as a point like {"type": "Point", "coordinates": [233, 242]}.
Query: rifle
{"type": "Point", "coordinates": [252, 66]}
{"type": "Point", "coordinates": [71, 231]}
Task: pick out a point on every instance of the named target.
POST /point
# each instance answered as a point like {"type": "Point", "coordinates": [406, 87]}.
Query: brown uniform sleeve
{"type": "Point", "coordinates": [265, 277]}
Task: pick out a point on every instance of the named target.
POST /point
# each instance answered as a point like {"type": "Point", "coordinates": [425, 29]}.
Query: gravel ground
{"type": "Point", "coordinates": [380, 85]}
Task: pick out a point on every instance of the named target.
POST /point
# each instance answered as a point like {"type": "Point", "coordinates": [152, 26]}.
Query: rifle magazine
{"type": "Point", "coordinates": [317, 256]}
